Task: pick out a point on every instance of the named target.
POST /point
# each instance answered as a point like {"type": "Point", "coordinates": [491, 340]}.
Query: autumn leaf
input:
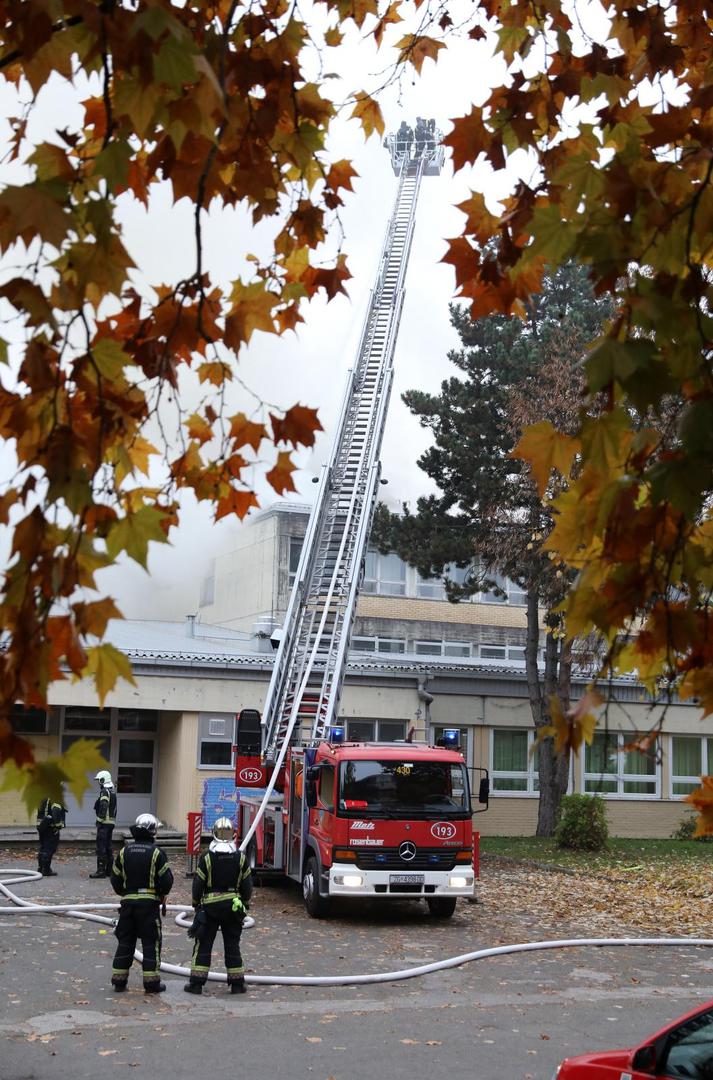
{"type": "Point", "coordinates": [368, 112]}
{"type": "Point", "coordinates": [133, 533]}
{"type": "Point", "coordinates": [105, 666]}
{"type": "Point", "coordinates": [280, 476]}
{"type": "Point", "coordinates": [299, 426]}
{"type": "Point", "coordinates": [235, 502]}
{"type": "Point", "coordinates": [415, 48]}
{"type": "Point", "coordinates": [570, 731]}
{"type": "Point", "coordinates": [702, 801]}
{"type": "Point", "coordinates": [246, 432]}
{"type": "Point", "coordinates": [546, 449]}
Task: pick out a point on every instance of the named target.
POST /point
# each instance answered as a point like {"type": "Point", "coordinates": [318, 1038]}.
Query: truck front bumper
{"type": "Point", "coordinates": [348, 880]}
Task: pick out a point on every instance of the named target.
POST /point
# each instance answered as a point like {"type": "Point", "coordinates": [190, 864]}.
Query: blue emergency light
{"type": "Point", "coordinates": [336, 734]}
{"type": "Point", "coordinates": [451, 738]}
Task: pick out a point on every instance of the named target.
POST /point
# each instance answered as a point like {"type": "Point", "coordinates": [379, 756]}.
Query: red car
{"type": "Point", "coordinates": [681, 1051]}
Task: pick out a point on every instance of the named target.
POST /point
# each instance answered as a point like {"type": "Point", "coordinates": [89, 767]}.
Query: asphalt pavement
{"type": "Point", "coordinates": [505, 1018]}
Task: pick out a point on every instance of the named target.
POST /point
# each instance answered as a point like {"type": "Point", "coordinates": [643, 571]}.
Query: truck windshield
{"type": "Point", "coordinates": [404, 787]}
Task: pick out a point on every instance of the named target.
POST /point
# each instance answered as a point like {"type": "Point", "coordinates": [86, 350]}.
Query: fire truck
{"type": "Point", "coordinates": [353, 819]}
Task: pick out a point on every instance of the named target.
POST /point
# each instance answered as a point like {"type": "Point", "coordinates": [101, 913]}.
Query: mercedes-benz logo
{"type": "Point", "coordinates": [407, 851]}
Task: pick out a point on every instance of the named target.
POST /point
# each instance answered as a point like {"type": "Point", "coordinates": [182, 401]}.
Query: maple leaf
{"type": "Point", "coordinates": [469, 138]}
{"type": "Point", "coordinates": [280, 476]}
{"type": "Point", "coordinates": [546, 449]}
{"type": "Point", "coordinates": [251, 309]}
{"type": "Point", "coordinates": [368, 112]}
{"type": "Point", "coordinates": [133, 533]}
{"type": "Point", "coordinates": [702, 800]}
{"type": "Point", "coordinates": [340, 175]}
{"type": "Point", "coordinates": [568, 732]}
{"type": "Point", "coordinates": [415, 48]}
{"type": "Point", "coordinates": [105, 666]}
{"type": "Point", "coordinates": [390, 17]}
{"type": "Point", "coordinates": [92, 617]}
{"type": "Point", "coordinates": [298, 426]}
{"type": "Point", "coordinates": [246, 432]}
{"type": "Point", "coordinates": [235, 502]}
{"type": "Point", "coordinates": [199, 429]}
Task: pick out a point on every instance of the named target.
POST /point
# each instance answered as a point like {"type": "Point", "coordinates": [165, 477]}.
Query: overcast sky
{"type": "Point", "coordinates": [310, 366]}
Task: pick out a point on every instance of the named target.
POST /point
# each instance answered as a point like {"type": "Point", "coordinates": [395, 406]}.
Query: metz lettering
{"type": "Point", "coordinates": [366, 825]}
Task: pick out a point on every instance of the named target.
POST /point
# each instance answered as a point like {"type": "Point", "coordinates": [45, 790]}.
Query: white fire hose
{"type": "Point", "coordinates": [10, 876]}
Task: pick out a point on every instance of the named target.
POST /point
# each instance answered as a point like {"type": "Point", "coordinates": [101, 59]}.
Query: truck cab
{"type": "Point", "coordinates": [376, 820]}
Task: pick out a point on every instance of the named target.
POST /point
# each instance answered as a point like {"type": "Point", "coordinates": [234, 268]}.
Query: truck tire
{"type": "Point", "coordinates": [442, 907]}
{"type": "Point", "coordinates": [251, 855]}
{"type": "Point", "coordinates": [317, 906]}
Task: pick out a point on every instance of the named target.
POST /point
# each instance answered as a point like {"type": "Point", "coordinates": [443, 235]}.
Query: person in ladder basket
{"type": "Point", "coordinates": [222, 887]}
{"type": "Point", "coordinates": [105, 810]}
{"type": "Point", "coordinates": [50, 819]}
{"type": "Point", "coordinates": [142, 878]}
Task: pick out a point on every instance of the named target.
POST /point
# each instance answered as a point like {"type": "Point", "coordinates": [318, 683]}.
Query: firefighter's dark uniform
{"type": "Point", "coordinates": [142, 878]}
{"type": "Point", "coordinates": [50, 819]}
{"type": "Point", "coordinates": [105, 810]}
{"type": "Point", "coordinates": [222, 887]}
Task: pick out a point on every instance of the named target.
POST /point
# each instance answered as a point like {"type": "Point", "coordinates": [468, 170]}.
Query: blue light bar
{"type": "Point", "coordinates": [336, 734]}
{"type": "Point", "coordinates": [451, 738]}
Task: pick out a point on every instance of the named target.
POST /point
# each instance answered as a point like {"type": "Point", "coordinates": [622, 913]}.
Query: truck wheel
{"type": "Point", "coordinates": [442, 907]}
{"type": "Point", "coordinates": [317, 906]}
{"type": "Point", "coordinates": [251, 855]}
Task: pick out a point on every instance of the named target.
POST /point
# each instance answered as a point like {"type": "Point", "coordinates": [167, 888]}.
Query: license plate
{"type": "Point", "coordinates": [406, 879]}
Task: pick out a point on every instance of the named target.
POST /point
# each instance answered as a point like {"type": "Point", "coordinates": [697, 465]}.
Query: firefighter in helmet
{"type": "Point", "coordinates": [142, 878]}
{"type": "Point", "coordinates": [105, 811]}
{"type": "Point", "coordinates": [50, 819]}
{"type": "Point", "coordinates": [222, 887]}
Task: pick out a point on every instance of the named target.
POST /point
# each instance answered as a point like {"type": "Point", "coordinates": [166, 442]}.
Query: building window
{"type": "Point", "coordinates": [514, 761]}
{"type": "Point", "coordinates": [691, 758]}
{"type": "Point", "coordinates": [359, 730]}
{"type": "Point", "coordinates": [207, 591]}
{"type": "Point", "coordinates": [137, 720]}
{"type": "Point", "coordinates": [378, 645]}
{"type": "Point", "coordinates": [296, 543]}
{"type": "Point", "coordinates": [135, 767]}
{"type": "Point", "coordinates": [28, 721]}
{"type": "Point", "coordinates": [492, 652]}
{"type": "Point", "coordinates": [456, 648]}
{"type": "Point", "coordinates": [430, 588]}
{"type": "Point", "coordinates": [428, 648]}
{"type": "Point", "coordinates": [216, 735]}
{"type": "Point", "coordinates": [508, 592]}
{"type": "Point", "coordinates": [384, 574]}
{"type": "Point", "coordinates": [609, 769]}
{"type": "Point", "coordinates": [80, 718]}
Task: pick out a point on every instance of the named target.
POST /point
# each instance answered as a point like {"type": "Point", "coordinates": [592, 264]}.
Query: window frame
{"type": "Point", "coordinates": [530, 774]}
{"type": "Point", "coordinates": [204, 736]}
{"type": "Point", "coordinates": [620, 777]}
{"type": "Point", "coordinates": [16, 719]}
{"type": "Point", "coordinates": [378, 584]}
{"type": "Point", "coordinates": [706, 763]}
{"type": "Point", "coordinates": [376, 722]}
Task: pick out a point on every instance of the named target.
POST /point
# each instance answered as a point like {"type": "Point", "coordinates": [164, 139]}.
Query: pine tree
{"type": "Point", "coordinates": [488, 516]}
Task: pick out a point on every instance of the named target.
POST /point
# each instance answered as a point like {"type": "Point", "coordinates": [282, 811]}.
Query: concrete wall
{"type": "Point", "coordinates": [244, 579]}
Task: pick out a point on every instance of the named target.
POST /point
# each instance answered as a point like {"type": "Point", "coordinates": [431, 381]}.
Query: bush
{"type": "Point", "coordinates": [583, 823]}
{"type": "Point", "coordinates": [687, 827]}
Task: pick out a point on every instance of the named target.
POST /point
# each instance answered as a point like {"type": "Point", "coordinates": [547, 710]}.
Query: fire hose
{"type": "Point", "coordinates": [10, 876]}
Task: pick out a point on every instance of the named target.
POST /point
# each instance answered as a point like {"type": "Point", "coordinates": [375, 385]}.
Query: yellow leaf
{"type": "Point", "coordinates": [106, 666]}
{"type": "Point", "coordinates": [546, 449]}
{"type": "Point", "coordinates": [368, 112]}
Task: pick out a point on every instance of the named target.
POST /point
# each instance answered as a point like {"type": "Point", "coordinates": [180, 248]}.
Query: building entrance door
{"type": "Point", "coordinates": [128, 742]}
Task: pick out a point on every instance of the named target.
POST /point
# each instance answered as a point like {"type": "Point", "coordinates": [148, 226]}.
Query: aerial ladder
{"type": "Point", "coordinates": [303, 696]}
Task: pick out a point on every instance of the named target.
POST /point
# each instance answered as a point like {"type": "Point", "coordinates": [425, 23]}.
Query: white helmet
{"type": "Point", "coordinates": [104, 778]}
{"type": "Point", "coordinates": [148, 823]}
{"type": "Point", "coordinates": [224, 829]}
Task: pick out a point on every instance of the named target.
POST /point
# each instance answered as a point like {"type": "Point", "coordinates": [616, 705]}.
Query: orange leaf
{"type": "Point", "coordinates": [468, 139]}
{"type": "Point", "coordinates": [281, 475]}
{"type": "Point", "coordinates": [235, 502]}
{"type": "Point", "coordinates": [341, 175]}
{"type": "Point", "coordinates": [199, 429]}
{"type": "Point", "coordinates": [415, 49]}
{"type": "Point", "coordinates": [244, 432]}
{"type": "Point", "coordinates": [298, 426]}
{"type": "Point", "coordinates": [702, 800]}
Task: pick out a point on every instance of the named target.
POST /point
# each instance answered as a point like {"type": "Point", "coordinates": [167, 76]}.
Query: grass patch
{"type": "Point", "coordinates": [621, 853]}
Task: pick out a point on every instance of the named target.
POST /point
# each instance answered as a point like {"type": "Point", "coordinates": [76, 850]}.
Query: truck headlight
{"type": "Point", "coordinates": [352, 881]}
{"type": "Point", "coordinates": [459, 881]}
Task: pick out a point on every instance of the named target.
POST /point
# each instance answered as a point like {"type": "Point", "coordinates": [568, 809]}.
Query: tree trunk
{"type": "Point", "coordinates": [553, 768]}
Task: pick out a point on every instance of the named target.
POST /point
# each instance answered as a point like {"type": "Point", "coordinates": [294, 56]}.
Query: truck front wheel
{"type": "Point", "coordinates": [442, 907]}
{"type": "Point", "coordinates": [317, 906]}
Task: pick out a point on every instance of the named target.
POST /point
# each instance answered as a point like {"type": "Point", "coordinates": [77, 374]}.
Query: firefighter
{"type": "Point", "coordinates": [142, 878]}
{"type": "Point", "coordinates": [50, 819]}
{"type": "Point", "coordinates": [105, 811]}
{"type": "Point", "coordinates": [222, 887]}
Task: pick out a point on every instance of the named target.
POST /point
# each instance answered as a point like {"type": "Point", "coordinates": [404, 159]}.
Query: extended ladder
{"type": "Point", "coordinates": [305, 688]}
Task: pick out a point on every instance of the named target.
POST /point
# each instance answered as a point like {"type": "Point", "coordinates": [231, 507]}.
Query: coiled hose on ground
{"type": "Point", "coordinates": [10, 876]}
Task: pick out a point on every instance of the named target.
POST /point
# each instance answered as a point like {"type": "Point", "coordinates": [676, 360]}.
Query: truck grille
{"type": "Point", "coordinates": [389, 859]}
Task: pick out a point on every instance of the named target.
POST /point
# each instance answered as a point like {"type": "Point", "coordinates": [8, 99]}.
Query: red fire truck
{"type": "Point", "coordinates": [377, 820]}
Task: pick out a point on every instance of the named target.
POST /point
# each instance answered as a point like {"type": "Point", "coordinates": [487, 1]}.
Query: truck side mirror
{"type": "Point", "coordinates": [484, 790]}
{"type": "Point", "coordinates": [311, 778]}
